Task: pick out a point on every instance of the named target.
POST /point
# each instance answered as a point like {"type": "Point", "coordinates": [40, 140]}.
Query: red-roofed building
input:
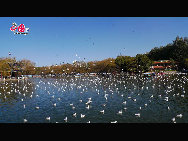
{"type": "Point", "coordinates": [163, 65]}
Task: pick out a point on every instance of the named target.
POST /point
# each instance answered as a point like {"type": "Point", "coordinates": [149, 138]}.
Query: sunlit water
{"type": "Point", "coordinates": [162, 99]}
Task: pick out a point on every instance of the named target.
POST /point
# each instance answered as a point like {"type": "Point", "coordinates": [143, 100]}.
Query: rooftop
{"type": "Point", "coordinates": [162, 61]}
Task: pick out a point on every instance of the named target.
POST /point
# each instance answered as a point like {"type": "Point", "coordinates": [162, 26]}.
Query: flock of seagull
{"type": "Point", "coordinates": [120, 91]}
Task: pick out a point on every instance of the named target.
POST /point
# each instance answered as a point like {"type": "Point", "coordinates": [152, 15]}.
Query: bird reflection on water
{"type": "Point", "coordinates": [97, 99]}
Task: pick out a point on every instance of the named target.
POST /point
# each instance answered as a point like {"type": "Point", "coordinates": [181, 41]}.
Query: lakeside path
{"type": "Point", "coordinates": [12, 79]}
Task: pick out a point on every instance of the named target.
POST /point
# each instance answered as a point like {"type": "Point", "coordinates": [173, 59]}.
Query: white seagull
{"type": "Point", "coordinates": [87, 107]}
{"type": "Point", "coordinates": [138, 115]}
{"type": "Point", "coordinates": [173, 119]}
{"type": "Point", "coordinates": [82, 116]}
{"type": "Point", "coordinates": [74, 115]}
{"type": "Point", "coordinates": [25, 120]}
{"type": "Point", "coordinates": [120, 112]}
{"type": "Point", "coordinates": [124, 102]}
{"type": "Point", "coordinates": [65, 119]}
{"type": "Point", "coordinates": [180, 115]}
{"type": "Point", "coordinates": [102, 111]}
{"type": "Point", "coordinates": [48, 118]}
{"type": "Point", "coordinates": [113, 121]}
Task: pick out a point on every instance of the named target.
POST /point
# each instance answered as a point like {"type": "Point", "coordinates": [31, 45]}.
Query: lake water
{"type": "Point", "coordinates": [121, 99]}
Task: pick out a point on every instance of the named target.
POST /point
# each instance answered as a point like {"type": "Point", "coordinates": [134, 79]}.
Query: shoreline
{"type": "Point", "coordinates": [84, 74]}
{"type": "Point", "coordinates": [15, 79]}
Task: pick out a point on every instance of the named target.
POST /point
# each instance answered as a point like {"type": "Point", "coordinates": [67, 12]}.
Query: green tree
{"type": "Point", "coordinates": [126, 63]}
{"type": "Point", "coordinates": [143, 63]}
{"type": "Point", "coordinates": [178, 51]}
{"type": "Point", "coordinates": [186, 63]}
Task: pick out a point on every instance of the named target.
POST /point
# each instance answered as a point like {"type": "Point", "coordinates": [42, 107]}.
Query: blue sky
{"type": "Point", "coordinates": [53, 40]}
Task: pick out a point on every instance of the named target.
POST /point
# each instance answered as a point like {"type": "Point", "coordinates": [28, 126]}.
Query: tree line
{"type": "Point", "coordinates": [177, 51]}
{"type": "Point", "coordinates": [109, 65]}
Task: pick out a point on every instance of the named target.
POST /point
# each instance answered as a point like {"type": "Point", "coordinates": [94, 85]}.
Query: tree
{"type": "Point", "coordinates": [120, 62]}
{"type": "Point", "coordinates": [178, 51]}
{"type": "Point", "coordinates": [143, 62]}
{"type": "Point", "coordinates": [26, 66]}
{"type": "Point", "coordinates": [126, 63]}
{"type": "Point", "coordinates": [4, 67]}
{"type": "Point", "coordinates": [107, 65]}
{"type": "Point", "coordinates": [7, 66]}
{"type": "Point", "coordinates": [186, 63]}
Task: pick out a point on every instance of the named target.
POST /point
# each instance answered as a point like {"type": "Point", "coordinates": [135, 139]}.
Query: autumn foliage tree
{"type": "Point", "coordinates": [26, 66]}
{"type": "Point", "coordinates": [23, 67]}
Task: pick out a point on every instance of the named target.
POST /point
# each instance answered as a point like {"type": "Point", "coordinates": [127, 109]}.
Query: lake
{"type": "Point", "coordinates": [96, 99]}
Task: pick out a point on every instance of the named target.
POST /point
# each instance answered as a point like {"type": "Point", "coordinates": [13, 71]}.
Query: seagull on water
{"type": "Point", "coordinates": [180, 115]}
{"type": "Point", "coordinates": [138, 115]}
{"type": "Point", "coordinates": [134, 99]}
{"type": "Point", "coordinates": [113, 121]}
{"type": "Point", "coordinates": [166, 99]}
{"type": "Point", "coordinates": [74, 115]}
{"type": "Point", "coordinates": [88, 102]}
{"type": "Point", "coordinates": [105, 96]}
{"type": "Point", "coordinates": [120, 112]}
{"type": "Point", "coordinates": [48, 118]}
{"type": "Point", "coordinates": [25, 120]}
{"type": "Point", "coordinates": [82, 116]}
{"type": "Point", "coordinates": [65, 119]}
{"type": "Point", "coordinates": [102, 111]}
{"type": "Point", "coordinates": [124, 102]}
{"type": "Point", "coordinates": [174, 120]}
{"type": "Point", "coordinates": [87, 107]}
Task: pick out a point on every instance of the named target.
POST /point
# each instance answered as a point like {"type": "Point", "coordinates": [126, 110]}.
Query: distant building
{"type": "Point", "coordinates": [163, 65]}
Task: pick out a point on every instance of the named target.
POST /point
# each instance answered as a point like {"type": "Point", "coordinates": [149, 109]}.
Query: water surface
{"type": "Point", "coordinates": [156, 99]}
